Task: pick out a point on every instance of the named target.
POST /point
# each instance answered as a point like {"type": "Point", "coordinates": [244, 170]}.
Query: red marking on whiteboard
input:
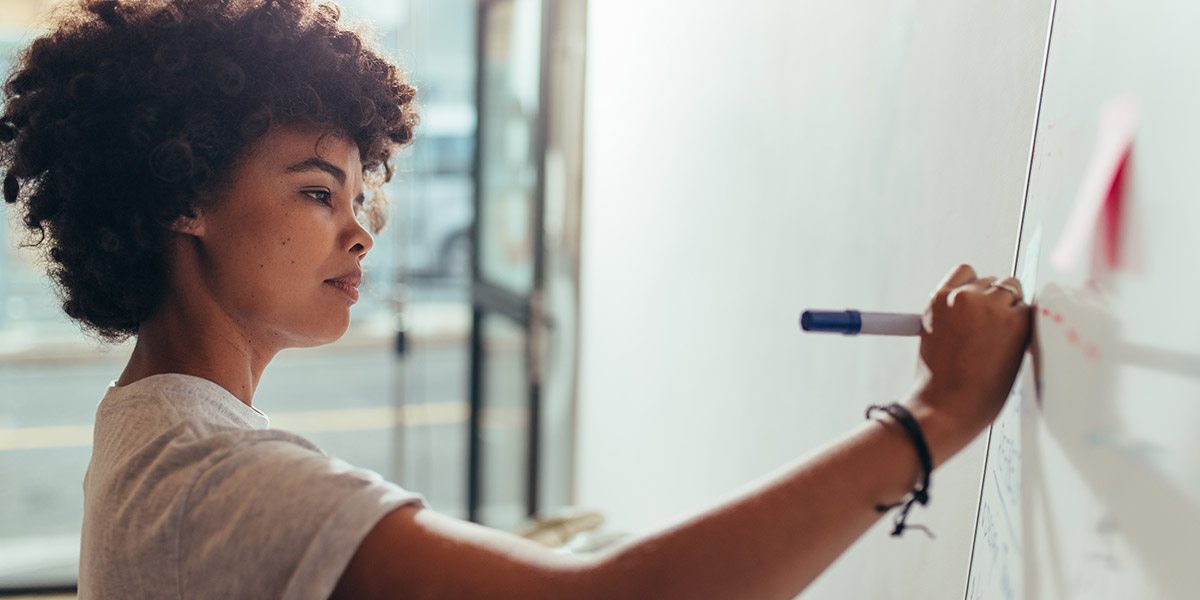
{"type": "Point", "coordinates": [1112, 216]}
{"type": "Point", "coordinates": [1099, 188]}
{"type": "Point", "coordinates": [1091, 351]}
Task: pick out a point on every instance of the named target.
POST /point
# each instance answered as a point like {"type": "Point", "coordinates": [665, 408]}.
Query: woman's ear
{"type": "Point", "coordinates": [193, 225]}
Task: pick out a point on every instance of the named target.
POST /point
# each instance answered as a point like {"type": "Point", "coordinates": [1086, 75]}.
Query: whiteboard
{"type": "Point", "coordinates": [1091, 487]}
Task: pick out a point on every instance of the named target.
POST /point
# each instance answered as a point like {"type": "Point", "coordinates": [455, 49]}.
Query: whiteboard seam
{"type": "Point", "coordinates": [1033, 138]}
{"type": "Point", "coordinates": [1037, 115]}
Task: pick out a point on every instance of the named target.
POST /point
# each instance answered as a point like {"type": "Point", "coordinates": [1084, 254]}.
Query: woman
{"type": "Point", "coordinates": [197, 173]}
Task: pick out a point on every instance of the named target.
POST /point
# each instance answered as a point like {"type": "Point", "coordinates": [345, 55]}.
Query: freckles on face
{"type": "Point", "coordinates": [286, 226]}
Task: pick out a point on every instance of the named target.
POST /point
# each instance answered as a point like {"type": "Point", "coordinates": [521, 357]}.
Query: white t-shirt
{"type": "Point", "coordinates": [190, 495]}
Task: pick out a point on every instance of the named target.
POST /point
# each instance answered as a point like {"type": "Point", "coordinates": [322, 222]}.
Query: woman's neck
{"type": "Point", "coordinates": [177, 340]}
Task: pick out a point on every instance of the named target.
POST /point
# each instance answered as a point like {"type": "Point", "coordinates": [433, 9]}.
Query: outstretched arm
{"type": "Point", "coordinates": [770, 541]}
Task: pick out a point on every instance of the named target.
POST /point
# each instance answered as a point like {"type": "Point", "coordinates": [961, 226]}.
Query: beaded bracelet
{"type": "Point", "coordinates": [921, 492]}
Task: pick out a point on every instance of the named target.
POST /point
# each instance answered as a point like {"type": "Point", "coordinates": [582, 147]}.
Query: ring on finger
{"type": "Point", "coordinates": [1008, 287]}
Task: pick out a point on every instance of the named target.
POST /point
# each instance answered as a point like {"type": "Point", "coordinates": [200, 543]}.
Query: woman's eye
{"type": "Point", "coordinates": [322, 196]}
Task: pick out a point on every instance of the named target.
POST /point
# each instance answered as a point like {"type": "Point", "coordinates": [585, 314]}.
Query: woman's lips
{"type": "Point", "coordinates": [348, 284]}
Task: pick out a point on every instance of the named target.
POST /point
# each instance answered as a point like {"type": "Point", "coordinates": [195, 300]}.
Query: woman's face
{"type": "Point", "coordinates": [279, 250]}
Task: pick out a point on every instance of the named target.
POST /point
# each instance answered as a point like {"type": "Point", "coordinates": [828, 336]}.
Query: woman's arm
{"type": "Point", "coordinates": [770, 541]}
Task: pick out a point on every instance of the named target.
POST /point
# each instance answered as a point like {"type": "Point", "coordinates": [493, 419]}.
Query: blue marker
{"type": "Point", "coordinates": [852, 322]}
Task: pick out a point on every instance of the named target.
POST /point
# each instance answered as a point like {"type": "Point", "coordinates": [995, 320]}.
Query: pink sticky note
{"type": "Point", "coordinates": [1100, 189]}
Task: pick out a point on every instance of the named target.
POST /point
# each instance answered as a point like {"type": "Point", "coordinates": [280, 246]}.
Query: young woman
{"type": "Point", "coordinates": [197, 172]}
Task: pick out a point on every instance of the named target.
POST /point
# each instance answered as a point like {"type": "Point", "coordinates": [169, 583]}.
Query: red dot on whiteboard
{"type": "Point", "coordinates": [1058, 318]}
{"type": "Point", "coordinates": [1072, 336]}
{"type": "Point", "coordinates": [1046, 312]}
{"type": "Point", "coordinates": [1091, 351]}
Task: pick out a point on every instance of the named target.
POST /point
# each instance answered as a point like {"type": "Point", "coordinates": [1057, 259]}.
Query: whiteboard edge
{"type": "Point", "coordinates": [1016, 257]}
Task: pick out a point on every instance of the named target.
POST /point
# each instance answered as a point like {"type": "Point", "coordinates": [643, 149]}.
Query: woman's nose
{"type": "Point", "coordinates": [360, 240]}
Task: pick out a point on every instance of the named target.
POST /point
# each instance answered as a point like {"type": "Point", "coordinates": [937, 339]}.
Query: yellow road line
{"type": "Point", "coordinates": [316, 421]}
{"type": "Point", "coordinates": [37, 438]}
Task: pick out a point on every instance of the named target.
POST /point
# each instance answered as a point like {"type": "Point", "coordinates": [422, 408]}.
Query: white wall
{"type": "Point", "coordinates": [747, 160]}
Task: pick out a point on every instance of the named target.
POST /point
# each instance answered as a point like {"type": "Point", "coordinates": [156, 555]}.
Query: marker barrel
{"type": "Point", "coordinates": [852, 322]}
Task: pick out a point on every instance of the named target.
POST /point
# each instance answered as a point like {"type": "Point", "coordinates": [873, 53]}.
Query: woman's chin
{"type": "Point", "coordinates": [327, 335]}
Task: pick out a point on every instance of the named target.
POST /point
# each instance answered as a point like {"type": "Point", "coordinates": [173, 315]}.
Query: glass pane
{"type": "Point", "coordinates": [504, 425]}
{"type": "Point", "coordinates": [508, 175]}
{"type": "Point", "coordinates": [47, 404]}
{"type": "Point", "coordinates": [430, 450]}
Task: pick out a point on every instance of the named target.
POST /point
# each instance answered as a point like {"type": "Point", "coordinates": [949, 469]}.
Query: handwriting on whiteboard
{"type": "Point", "coordinates": [996, 562]}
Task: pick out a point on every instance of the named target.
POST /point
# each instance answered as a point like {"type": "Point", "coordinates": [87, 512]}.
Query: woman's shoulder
{"type": "Point", "coordinates": [163, 426]}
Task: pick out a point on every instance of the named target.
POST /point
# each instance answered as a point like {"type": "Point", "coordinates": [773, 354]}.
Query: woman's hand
{"type": "Point", "coordinates": [975, 333]}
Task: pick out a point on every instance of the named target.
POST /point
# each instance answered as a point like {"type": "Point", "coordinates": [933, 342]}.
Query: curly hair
{"type": "Point", "coordinates": [129, 115]}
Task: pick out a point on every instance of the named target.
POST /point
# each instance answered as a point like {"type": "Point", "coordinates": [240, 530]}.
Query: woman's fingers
{"type": "Point", "coordinates": [1010, 288]}
{"type": "Point", "coordinates": [959, 276]}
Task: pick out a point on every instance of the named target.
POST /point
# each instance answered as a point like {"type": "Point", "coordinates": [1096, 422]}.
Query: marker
{"type": "Point", "coordinates": [851, 322]}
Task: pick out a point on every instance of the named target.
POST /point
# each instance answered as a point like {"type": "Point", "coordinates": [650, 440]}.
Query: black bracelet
{"type": "Point", "coordinates": [921, 492]}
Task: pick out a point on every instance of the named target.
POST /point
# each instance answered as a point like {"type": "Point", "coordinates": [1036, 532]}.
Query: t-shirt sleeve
{"type": "Point", "coordinates": [273, 519]}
